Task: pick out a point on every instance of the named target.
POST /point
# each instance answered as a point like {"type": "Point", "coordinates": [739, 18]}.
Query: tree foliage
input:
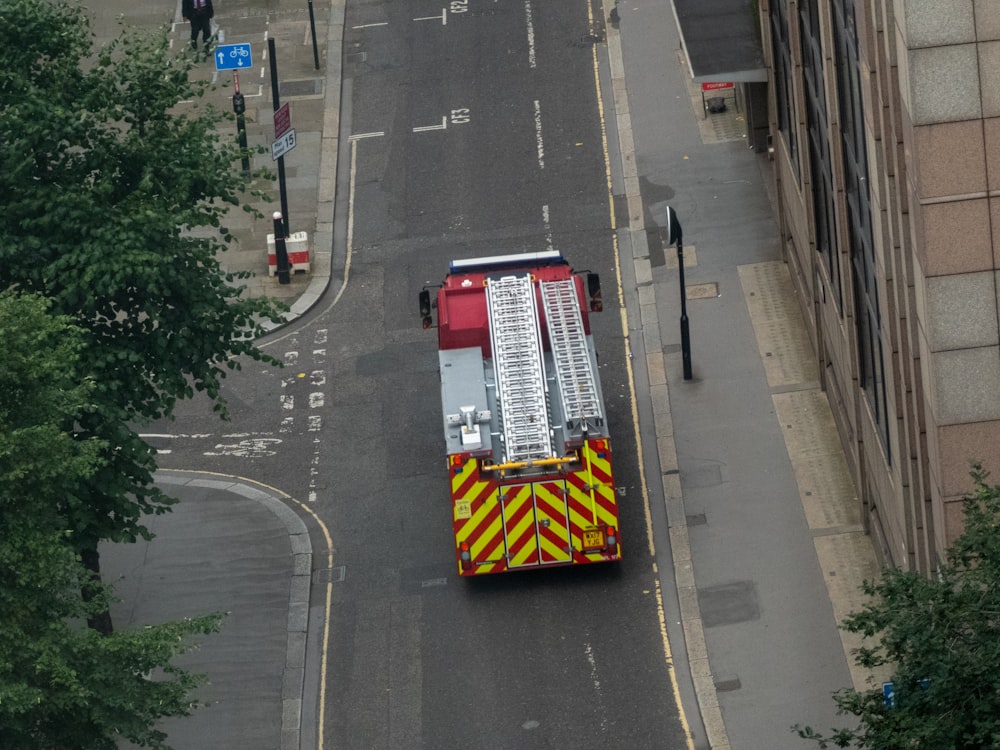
{"type": "Point", "coordinates": [116, 183]}
{"type": "Point", "coordinates": [61, 685]}
{"type": "Point", "coordinates": [941, 638]}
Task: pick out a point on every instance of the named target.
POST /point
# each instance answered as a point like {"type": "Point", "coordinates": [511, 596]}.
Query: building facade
{"type": "Point", "coordinates": [885, 145]}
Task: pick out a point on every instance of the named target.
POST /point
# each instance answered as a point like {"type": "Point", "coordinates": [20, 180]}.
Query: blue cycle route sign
{"type": "Point", "coordinates": [233, 56]}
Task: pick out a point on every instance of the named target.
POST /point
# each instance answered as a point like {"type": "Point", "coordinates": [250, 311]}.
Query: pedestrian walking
{"type": "Point", "coordinates": [199, 13]}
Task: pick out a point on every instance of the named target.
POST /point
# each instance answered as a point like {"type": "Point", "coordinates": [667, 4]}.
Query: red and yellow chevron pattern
{"type": "Point", "coordinates": [569, 517]}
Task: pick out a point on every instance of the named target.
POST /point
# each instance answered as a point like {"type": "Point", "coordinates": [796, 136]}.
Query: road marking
{"type": "Point", "coordinates": [424, 128]}
{"type": "Point", "coordinates": [373, 134]}
{"type": "Point", "coordinates": [287, 401]}
{"type": "Point", "coordinates": [531, 34]}
{"type": "Point", "coordinates": [255, 448]}
{"type": "Point", "coordinates": [286, 424]}
{"type": "Point", "coordinates": [315, 423]}
{"type": "Point", "coordinates": [316, 400]}
{"type": "Point", "coordinates": [538, 135]}
{"type": "Point", "coordinates": [443, 17]}
{"type": "Point", "coordinates": [548, 227]}
{"type": "Point", "coordinates": [369, 25]}
{"type": "Point", "coordinates": [172, 437]}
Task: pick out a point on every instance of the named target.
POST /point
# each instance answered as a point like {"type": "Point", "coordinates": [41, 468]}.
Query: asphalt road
{"type": "Point", "coordinates": [476, 130]}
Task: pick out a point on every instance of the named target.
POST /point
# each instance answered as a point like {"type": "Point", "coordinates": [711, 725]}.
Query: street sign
{"type": "Point", "coordinates": [280, 146]}
{"type": "Point", "coordinates": [716, 85]}
{"type": "Point", "coordinates": [233, 56]}
{"type": "Point", "coordinates": [282, 120]}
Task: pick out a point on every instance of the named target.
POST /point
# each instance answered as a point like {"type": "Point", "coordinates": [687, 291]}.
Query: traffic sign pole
{"type": "Point", "coordinates": [283, 193]}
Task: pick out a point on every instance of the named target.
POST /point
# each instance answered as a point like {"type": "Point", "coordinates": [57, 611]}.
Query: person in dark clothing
{"type": "Point", "coordinates": [199, 13]}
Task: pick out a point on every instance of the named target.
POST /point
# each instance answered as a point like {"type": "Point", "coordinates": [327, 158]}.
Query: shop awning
{"type": "Point", "coordinates": [721, 40]}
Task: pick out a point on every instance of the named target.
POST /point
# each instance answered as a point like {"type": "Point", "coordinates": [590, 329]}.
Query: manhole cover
{"type": "Point", "coordinates": [702, 291]}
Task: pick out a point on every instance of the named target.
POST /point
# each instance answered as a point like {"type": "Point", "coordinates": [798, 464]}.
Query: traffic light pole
{"type": "Point", "coordinates": [239, 107]}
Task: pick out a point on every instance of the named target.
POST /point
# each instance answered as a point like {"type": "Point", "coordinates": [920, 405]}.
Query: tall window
{"type": "Point", "coordinates": [819, 145]}
{"type": "Point", "coordinates": [859, 217]}
{"type": "Point", "coordinates": [782, 53]}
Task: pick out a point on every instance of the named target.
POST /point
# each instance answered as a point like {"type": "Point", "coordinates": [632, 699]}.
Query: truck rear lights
{"type": "Point", "coordinates": [612, 537]}
{"type": "Point", "coordinates": [465, 555]}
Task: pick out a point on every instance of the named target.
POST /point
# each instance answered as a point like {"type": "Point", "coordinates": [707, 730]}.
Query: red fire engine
{"type": "Point", "coordinates": [525, 424]}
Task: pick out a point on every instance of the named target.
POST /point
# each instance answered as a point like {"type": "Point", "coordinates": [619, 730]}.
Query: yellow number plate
{"type": "Point", "coordinates": [593, 539]}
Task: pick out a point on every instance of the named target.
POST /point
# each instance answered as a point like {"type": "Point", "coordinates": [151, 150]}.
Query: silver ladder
{"type": "Point", "coordinates": [580, 398]}
{"type": "Point", "coordinates": [520, 372]}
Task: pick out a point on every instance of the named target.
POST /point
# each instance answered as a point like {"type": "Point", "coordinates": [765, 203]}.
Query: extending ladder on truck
{"type": "Point", "coordinates": [517, 363]}
{"type": "Point", "coordinates": [567, 337]}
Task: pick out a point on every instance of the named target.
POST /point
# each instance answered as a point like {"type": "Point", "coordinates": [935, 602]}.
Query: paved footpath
{"type": "Point", "coordinates": [767, 547]}
{"type": "Point", "coordinates": [235, 547]}
{"type": "Point", "coordinates": [765, 544]}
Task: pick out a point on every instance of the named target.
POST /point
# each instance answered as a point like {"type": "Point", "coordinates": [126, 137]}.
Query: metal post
{"type": "Point", "coordinates": [675, 236]}
{"type": "Point", "coordinates": [282, 192]}
{"type": "Point", "coordinates": [280, 251]}
{"type": "Point", "coordinates": [312, 25]}
{"type": "Point", "coordinates": [685, 331]}
{"type": "Point", "coordinates": [239, 107]}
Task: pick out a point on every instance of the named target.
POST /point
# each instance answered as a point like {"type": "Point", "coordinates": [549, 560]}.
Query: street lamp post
{"type": "Point", "coordinates": [675, 236]}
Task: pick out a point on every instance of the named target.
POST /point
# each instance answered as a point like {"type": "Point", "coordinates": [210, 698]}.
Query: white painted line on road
{"type": "Point", "coordinates": [173, 437]}
{"type": "Point", "coordinates": [369, 25]}
{"type": "Point", "coordinates": [320, 338]}
{"type": "Point", "coordinates": [316, 400]}
{"type": "Point", "coordinates": [538, 135]}
{"type": "Point", "coordinates": [442, 126]}
{"type": "Point", "coordinates": [373, 134]}
{"type": "Point", "coordinates": [312, 496]}
{"type": "Point", "coordinates": [286, 424]}
{"type": "Point", "coordinates": [443, 17]}
{"type": "Point", "coordinates": [315, 423]}
{"type": "Point", "coordinates": [531, 34]}
{"type": "Point", "coordinates": [287, 401]}
{"type": "Point", "coordinates": [291, 358]}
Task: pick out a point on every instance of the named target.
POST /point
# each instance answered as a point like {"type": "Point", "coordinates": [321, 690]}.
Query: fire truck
{"type": "Point", "coordinates": [524, 420]}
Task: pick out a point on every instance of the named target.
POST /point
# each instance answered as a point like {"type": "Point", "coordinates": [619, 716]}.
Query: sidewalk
{"type": "Point", "coordinates": [767, 546]}
{"type": "Point", "coordinates": [231, 547]}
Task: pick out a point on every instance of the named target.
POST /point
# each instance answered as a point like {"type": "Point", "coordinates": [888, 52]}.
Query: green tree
{"type": "Point", "coordinates": [63, 686]}
{"type": "Point", "coordinates": [116, 182]}
{"type": "Point", "coordinates": [941, 637]}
